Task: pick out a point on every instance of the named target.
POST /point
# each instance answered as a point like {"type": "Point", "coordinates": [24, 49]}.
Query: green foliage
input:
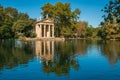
{"type": "Point", "coordinates": [111, 24]}
{"type": "Point", "coordinates": [5, 32]}
{"type": "Point", "coordinates": [63, 16]}
{"type": "Point", "coordinates": [90, 31]}
{"type": "Point", "coordinates": [14, 24]}
{"type": "Point", "coordinates": [30, 34]}
{"type": "Point", "coordinates": [66, 21]}
{"type": "Point", "coordinates": [81, 29]}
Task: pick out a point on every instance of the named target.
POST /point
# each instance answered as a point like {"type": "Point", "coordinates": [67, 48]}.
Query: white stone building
{"type": "Point", "coordinates": [44, 28]}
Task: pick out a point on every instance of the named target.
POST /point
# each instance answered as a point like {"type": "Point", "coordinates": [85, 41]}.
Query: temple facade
{"type": "Point", "coordinates": [45, 28]}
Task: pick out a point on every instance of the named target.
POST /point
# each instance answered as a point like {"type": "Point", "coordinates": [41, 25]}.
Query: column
{"type": "Point", "coordinates": [53, 31]}
{"type": "Point", "coordinates": [40, 30]}
{"type": "Point", "coordinates": [44, 30]}
{"type": "Point", "coordinates": [49, 30]}
{"type": "Point", "coordinates": [37, 30]}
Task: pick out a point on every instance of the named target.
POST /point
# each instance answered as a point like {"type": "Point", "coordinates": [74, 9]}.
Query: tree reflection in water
{"type": "Point", "coordinates": [56, 56]}
{"type": "Point", "coordinates": [15, 52]}
{"type": "Point", "coordinates": [111, 49]}
{"type": "Point", "coordinates": [59, 57]}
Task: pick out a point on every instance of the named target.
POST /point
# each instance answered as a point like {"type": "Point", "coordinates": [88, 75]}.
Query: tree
{"type": "Point", "coordinates": [6, 22]}
{"type": "Point", "coordinates": [12, 23]}
{"type": "Point", "coordinates": [12, 12]}
{"type": "Point", "coordinates": [81, 28]}
{"type": "Point", "coordinates": [23, 26]}
{"type": "Point", "coordinates": [111, 24]}
{"type": "Point", "coordinates": [48, 10]}
{"type": "Point", "coordinates": [1, 15]}
{"type": "Point", "coordinates": [63, 16]}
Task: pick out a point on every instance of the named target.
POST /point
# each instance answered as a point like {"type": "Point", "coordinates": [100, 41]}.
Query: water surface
{"type": "Point", "coordinates": [58, 60]}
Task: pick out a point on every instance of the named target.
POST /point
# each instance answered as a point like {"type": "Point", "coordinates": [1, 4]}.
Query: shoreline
{"type": "Point", "coordinates": [58, 39]}
{"type": "Point", "coordinates": [41, 39]}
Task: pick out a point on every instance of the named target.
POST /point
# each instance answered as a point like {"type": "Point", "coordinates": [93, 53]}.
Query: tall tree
{"type": "Point", "coordinates": [111, 24]}
{"type": "Point", "coordinates": [81, 28]}
{"type": "Point", "coordinates": [12, 22]}
{"type": "Point", "coordinates": [63, 16]}
{"type": "Point", "coordinates": [23, 25]}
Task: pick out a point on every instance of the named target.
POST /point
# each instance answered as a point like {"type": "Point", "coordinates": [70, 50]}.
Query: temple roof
{"type": "Point", "coordinates": [47, 20]}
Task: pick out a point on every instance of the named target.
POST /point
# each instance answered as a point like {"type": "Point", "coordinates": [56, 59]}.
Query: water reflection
{"type": "Point", "coordinates": [45, 50]}
{"type": "Point", "coordinates": [14, 52]}
{"type": "Point", "coordinates": [61, 57]}
{"type": "Point", "coordinates": [111, 49]}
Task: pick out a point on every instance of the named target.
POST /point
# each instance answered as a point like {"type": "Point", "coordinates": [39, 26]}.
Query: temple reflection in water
{"type": "Point", "coordinates": [45, 50]}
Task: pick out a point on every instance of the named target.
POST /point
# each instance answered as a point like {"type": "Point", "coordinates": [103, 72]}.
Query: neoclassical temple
{"type": "Point", "coordinates": [45, 28]}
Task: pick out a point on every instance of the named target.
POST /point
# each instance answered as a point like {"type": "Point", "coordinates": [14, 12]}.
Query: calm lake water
{"type": "Point", "coordinates": [68, 60]}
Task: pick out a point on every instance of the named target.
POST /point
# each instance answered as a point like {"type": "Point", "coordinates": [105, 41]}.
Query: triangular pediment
{"type": "Point", "coordinates": [46, 21]}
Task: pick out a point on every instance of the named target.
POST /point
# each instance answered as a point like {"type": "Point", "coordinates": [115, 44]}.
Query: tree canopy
{"type": "Point", "coordinates": [63, 16]}
{"type": "Point", "coordinates": [13, 23]}
{"type": "Point", "coordinates": [67, 23]}
{"type": "Point", "coordinates": [111, 24]}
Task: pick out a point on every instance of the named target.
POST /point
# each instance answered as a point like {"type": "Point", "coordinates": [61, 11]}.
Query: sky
{"type": "Point", "coordinates": [90, 9]}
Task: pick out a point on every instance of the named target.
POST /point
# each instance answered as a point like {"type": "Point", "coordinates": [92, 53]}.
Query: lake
{"type": "Point", "coordinates": [59, 60]}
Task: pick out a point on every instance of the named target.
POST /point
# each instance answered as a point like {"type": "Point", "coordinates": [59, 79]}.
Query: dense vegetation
{"type": "Point", "coordinates": [66, 21]}
{"type": "Point", "coordinates": [111, 24]}
{"type": "Point", "coordinates": [14, 24]}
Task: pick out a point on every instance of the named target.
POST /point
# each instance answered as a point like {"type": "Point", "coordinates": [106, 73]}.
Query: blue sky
{"type": "Point", "coordinates": [90, 9]}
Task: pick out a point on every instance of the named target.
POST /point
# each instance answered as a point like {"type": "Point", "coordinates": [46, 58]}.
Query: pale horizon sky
{"type": "Point", "coordinates": [90, 9]}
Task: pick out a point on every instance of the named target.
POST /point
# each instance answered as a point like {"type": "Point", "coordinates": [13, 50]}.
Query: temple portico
{"type": "Point", "coordinates": [45, 28]}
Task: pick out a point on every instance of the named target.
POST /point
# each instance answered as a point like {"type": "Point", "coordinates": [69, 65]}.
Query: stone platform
{"type": "Point", "coordinates": [34, 39]}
